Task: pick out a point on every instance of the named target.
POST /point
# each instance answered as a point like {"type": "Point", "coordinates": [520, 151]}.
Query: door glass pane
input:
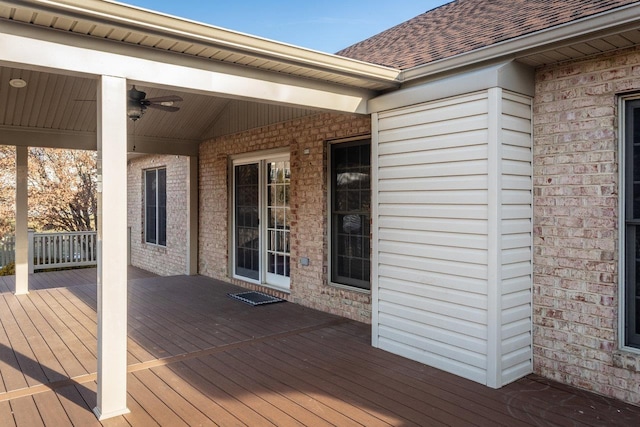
{"type": "Point", "coordinates": [278, 229]}
{"type": "Point", "coordinates": [247, 229]}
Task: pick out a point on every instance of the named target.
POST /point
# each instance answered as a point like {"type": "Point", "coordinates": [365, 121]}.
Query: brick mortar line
{"type": "Point", "coordinates": [83, 379]}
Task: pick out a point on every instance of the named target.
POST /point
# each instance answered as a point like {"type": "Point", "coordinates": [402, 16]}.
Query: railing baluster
{"type": "Point", "coordinates": [69, 249]}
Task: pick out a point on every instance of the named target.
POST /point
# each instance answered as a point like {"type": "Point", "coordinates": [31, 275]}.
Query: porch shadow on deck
{"type": "Point", "coordinates": [197, 357]}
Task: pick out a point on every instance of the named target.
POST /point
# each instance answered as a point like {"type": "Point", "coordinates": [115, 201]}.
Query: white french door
{"type": "Point", "coordinates": [261, 220]}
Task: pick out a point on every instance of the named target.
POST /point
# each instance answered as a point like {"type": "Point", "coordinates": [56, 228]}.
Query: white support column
{"type": "Point", "coordinates": [22, 230]}
{"type": "Point", "coordinates": [112, 248]}
{"type": "Point", "coordinates": [192, 216]}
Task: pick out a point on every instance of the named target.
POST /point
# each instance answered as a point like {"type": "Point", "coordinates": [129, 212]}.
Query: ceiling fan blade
{"type": "Point", "coordinates": [169, 98]}
{"type": "Point", "coordinates": [164, 108]}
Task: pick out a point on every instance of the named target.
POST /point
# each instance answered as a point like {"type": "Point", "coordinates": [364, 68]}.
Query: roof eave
{"type": "Point", "coordinates": [586, 28]}
{"type": "Point", "coordinates": [141, 19]}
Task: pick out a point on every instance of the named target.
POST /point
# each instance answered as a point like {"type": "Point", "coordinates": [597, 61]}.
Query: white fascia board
{"type": "Point", "coordinates": [23, 51]}
{"type": "Point", "coordinates": [119, 14]}
{"type": "Point", "coordinates": [511, 76]}
{"type": "Point", "coordinates": [49, 138]}
{"type": "Point", "coordinates": [588, 28]}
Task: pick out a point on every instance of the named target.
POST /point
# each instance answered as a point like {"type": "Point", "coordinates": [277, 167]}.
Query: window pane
{"type": "Point", "coordinates": [150, 205]}
{"type": "Point", "coordinates": [350, 213]}
{"type": "Point", "coordinates": [162, 207]}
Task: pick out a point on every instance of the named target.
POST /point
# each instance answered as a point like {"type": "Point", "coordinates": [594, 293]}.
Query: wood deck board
{"type": "Point", "coordinates": [77, 409]}
{"type": "Point", "coordinates": [33, 371]}
{"type": "Point", "coordinates": [283, 385]}
{"type": "Point", "coordinates": [80, 342]}
{"type": "Point", "coordinates": [358, 391]}
{"type": "Point", "coordinates": [25, 412]}
{"type": "Point", "coordinates": [470, 392]}
{"type": "Point", "coordinates": [174, 400]}
{"type": "Point", "coordinates": [455, 412]}
{"type": "Point", "coordinates": [36, 340]}
{"type": "Point", "coordinates": [249, 408]}
{"type": "Point", "coordinates": [496, 399]}
{"type": "Point", "coordinates": [324, 394]}
{"type": "Point", "coordinates": [88, 393]}
{"type": "Point", "coordinates": [10, 372]}
{"type": "Point", "coordinates": [232, 364]}
{"type": "Point", "coordinates": [6, 415]}
{"type": "Point", "coordinates": [366, 413]}
{"type": "Point", "coordinates": [50, 409]}
{"type": "Point", "coordinates": [65, 356]}
{"type": "Point", "coordinates": [451, 402]}
{"type": "Point", "coordinates": [82, 303]}
{"type": "Point", "coordinates": [266, 391]}
{"type": "Point", "coordinates": [151, 404]}
{"type": "Point", "coordinates": [207, 406]}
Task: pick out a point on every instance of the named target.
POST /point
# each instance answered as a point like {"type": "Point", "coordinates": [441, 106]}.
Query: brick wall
{"type": "Point", "coordinates": [169, 260]}
{"type": "Point", "coordinates": [576, 224]}
{"type": "Point", "coordinates": [306, 139]}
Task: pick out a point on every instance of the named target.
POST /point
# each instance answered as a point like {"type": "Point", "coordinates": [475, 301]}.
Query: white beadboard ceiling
{"type": "Point", "coordinates": [68, 103]}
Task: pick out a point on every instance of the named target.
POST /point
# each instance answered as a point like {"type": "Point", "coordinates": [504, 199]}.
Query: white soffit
{"type": "Point", "coordinates": [512, 76]}
{"type": "Point", "coordinates": [134, 26]}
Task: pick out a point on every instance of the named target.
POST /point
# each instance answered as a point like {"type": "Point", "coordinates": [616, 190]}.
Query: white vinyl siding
{"type": "Point", "coordinates": [433, 225]}
{"type": "Point", "coordinates": [516, 237]}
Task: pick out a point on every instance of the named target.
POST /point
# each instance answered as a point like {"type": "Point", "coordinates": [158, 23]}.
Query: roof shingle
{"type": "Point", "coordinates": [465, 25]}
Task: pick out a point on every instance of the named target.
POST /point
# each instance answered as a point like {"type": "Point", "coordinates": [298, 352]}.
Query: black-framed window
{"type": "Point", "coordinates": [632, 223]}
{"type": "Point", "coordinates": [351, 213]}
{"type": "Point", "coordinates": [155, 202]}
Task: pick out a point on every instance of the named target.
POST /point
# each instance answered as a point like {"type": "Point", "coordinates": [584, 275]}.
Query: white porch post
{"type": "Point", "coordinates": [112, 248]}
{"type": "Point", "coordinates": [192, 216]}
{"type": "Point", "coordinates": [22, 230]}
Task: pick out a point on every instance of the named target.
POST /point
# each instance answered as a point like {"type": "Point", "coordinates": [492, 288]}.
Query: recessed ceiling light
{"type": "Point", "coordinates": [17, 83]}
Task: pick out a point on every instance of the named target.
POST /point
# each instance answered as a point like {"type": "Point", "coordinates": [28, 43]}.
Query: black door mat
{"type": "Point", "coordinates": [255, 298]}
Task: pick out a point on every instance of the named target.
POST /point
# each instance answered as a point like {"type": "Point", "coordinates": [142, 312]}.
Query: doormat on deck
{"type": "Point", "coordinates": [255, 298]}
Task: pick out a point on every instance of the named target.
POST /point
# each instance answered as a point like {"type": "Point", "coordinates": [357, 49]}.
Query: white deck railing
{"type": "Point", "coordinates": [7, 250]}
{"type": "Point", "coordinates": [54, 250]}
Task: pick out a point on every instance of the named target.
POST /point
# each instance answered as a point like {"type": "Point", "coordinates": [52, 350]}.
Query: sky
{"type": "Point", "coordinates": [324, 25]}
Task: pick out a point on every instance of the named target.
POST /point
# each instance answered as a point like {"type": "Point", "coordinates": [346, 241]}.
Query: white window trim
{"type": "Point", "coordinates": [622, 292]}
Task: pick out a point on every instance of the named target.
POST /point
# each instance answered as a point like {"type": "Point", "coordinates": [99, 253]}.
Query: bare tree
{"type": "Point", "coordinates": [62, 189]}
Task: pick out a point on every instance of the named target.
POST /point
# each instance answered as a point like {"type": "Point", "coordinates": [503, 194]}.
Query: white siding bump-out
{"type": "Point", "coordinates": [431, 225]}
{"type": "Point", "coordinates": [452, 253]}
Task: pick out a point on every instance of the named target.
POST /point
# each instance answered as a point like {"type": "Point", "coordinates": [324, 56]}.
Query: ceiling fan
{"type": "Point", "coordinates": [137, 103]}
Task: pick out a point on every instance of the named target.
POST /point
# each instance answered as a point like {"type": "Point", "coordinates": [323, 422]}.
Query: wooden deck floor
{"type": "Point", "coordinates": [197, 357]}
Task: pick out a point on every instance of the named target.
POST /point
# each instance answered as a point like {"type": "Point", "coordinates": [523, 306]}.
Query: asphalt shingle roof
{"type": "Point", "coordinates": [465, 25]}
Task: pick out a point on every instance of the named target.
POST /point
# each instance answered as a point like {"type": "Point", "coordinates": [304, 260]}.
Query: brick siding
{"type": "Point", "coordinates": [306, 139]}
{"type": "Point", "coordinates": [576, 196]}
{"type": "Point", "coordinates": [169, 260]}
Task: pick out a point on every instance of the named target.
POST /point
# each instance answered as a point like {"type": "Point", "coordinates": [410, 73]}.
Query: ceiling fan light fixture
{"type": "Point", "coordinates": [167, 104]}
{"type": "Point", "coordinates": [134, 111]}
{"type": "Point", "coordinates": [17, 83]}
